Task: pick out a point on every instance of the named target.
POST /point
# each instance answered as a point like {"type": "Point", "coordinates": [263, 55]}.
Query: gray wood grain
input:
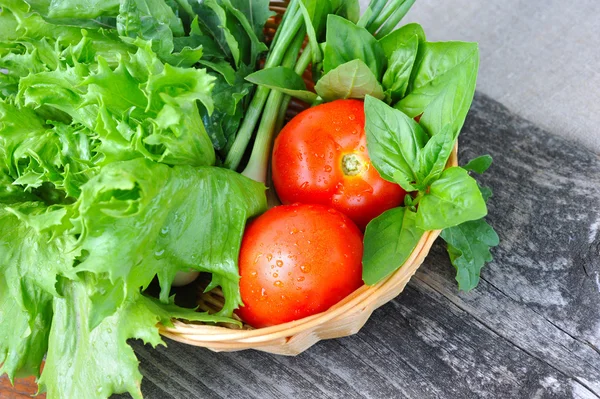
{"type": "Point", "coordinates": [530, 330]}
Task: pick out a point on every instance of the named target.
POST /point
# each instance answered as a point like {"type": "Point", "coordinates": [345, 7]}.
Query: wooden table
{"type": "Point", "coordinates": [530, 330]}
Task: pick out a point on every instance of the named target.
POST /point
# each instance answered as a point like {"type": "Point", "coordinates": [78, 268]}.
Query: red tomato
{"type": "Point", "coordinates": [321, 157]}
{"type": "Point", "coordinates": [296, 261]}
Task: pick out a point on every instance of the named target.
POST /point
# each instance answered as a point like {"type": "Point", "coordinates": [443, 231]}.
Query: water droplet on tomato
{"type": "Point", "coordinates": [257, 258]}
{"type": "Point", "coordinates": [278, 284]}
{"type": "Point", "coordinates": [332, 211]}
{"type": "Point", "coordinates": [269, 257]}
{"type": "Point", "coordinates": [300, 157]}
{"type": "Point", "coordinates": [293, 230]}
{"type": "Point", "coordinates": [253, 273]}
{"type": "Point", "coordinates": [305, 269]}
{"type": "Point", "coordinates": [275, 275]}
{"type": "Point", "coordinates": [263, 293]}
{"type": "Point", "coordinates": [351, 117]}
{"type": "Point", "coordinates": [304, 185]}
{"type": "Point", "coordinates": [279, 263]}
{"type": "Point", "coordinates": [327, 168]}
{"type": "Point", "coordinates": [362, 148]}
{"type": "Point", "coordinates": [301, 278]}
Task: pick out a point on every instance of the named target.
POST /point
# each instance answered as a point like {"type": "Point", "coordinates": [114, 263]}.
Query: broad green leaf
{"type": "Point", "coordinates": [442, 85]}
{"type": "Point", "coordinates": [175, 219]}
{"type": "Point", "coordinates": [479, 164]}
{"type": "Point", "coordinates": [401, 37]}
{"type": "Point", "coordinates": [400, 64]}
{"type": "Point", "coordinates": [434, 156]}
{"type": "Point", "coordinates": [256, 11]}
{"type": "Point", "coordinates": [353, 79]}
{"type": "Point", "coordinates": [246, 33]}
{"type": "Point", "coordinates": [212, 20]}
{"type": "Point", "coordinates": [389, 241]}
{"type": "Point", "coordinates": [285, 80]}
{"type": "Point", "coordinates": [394, 142]}
{"type": "Point", "coordinates": [347, 42]}
{"type": "Point", "coordinates": [452, 199]}
{"type": "Point", "coordinates": [27, 286]}
{"type": "Point", "coordinates": [469, 248]}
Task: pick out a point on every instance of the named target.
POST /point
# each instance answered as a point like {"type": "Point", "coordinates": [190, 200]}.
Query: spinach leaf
{"type": "Point", "coordinates": [452, 199]}
{"type": "Point", "coordinates": [245, 34]}
{"type": "Point", "coordinates": [442, 85]}
{"type": "Point", "coordinates": [353, 79]}
{"type": "Point", "coordinates": [479, 164]}
{"type": "Point", "coordinates": [347, 42]}
{"type": "Point", "coordinates": [256, 11]}
{"type": "Point", "coordinates": [469, 246]}
{"type": "Point", "coordinates": [401, 37]}
{"type": "Point", "coordinates": [212, 20]}
{"type": "Point", "coordinates": [400, 64]}
{"type": "Point", "coordinates": [285, 80]}
{"type": "Point", "coordinates": [389, 240]}
{"type": "Point", "coordinates": [394, 142]}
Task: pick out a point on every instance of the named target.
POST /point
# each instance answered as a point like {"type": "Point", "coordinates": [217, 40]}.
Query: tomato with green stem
{"type": "Point", "coordinates": [297, 260]}
{"type": "Point", "coordinates": [321, 157]}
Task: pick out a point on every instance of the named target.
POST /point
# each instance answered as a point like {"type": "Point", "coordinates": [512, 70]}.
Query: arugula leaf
{"type": "Point", "coordinates": [442, 85]}
{"type": "Point", "coordinates": [389, 240]}
{"type": "Point", "coordinates": [479, 164]}
{"type": "Point", "coordinates": [396, 77]}
{"type": "Point", "coordinates": [347, 42]}
{"type": "Point", "coordinates": [284, 80]}
{"type": "Point", "coordinates": [452, 199]}
{"type": "Point", "coordinates": [353, 79]}
{"type": "Point", "coordinates": [469, 248]}
{"type": "Point", "coordinates": [394, 142]}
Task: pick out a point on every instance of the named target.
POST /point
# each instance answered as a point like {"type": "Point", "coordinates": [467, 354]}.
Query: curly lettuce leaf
{"type": "Point", "coordinates": [95, 363]}
{"type": "Point", "coordinates": [173, 219]}
{"type": "Point", "coordinates": [29, 264]}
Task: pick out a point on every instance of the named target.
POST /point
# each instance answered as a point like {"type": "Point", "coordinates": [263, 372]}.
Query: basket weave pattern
{"type": "Point", "coordinates": [345, 318]}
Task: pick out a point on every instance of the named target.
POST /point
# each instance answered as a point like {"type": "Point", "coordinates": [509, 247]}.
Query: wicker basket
{"type": "Point", "coordinates": [345, 318]}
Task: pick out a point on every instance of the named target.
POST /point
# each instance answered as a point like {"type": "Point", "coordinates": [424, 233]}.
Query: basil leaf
{"type": "Point", "coordinates": [479, 164]}
{"type": "Point", "coordinates": [353, 79]}
{"type": "Point", "coordinates": [401, 36]}
{"type": "Point", "coordinates": [347, 42]}
{"type": "Point", "coordinates": [394, 141]}
{"type": "Point", "coordinates": [434, 156]}
{"type": "Point", "coordinates": [389, 240]}
{"type": "Point", "coordinates": [469, 248]}
{"type": "Point", "coordinates": [285, 80]}
{"type": "Point", "coordinates": [396, 77]}
{"type": "Point", "coordinates": [452, 199]}
{"type": "Point", "coordinates": [442, 85]}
